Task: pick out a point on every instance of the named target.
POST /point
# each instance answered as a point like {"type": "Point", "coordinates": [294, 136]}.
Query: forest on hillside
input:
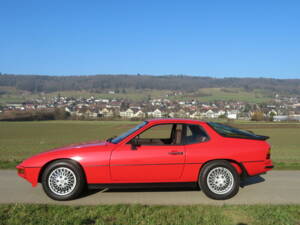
{"type": "Point", "coordinates": [96, 83]}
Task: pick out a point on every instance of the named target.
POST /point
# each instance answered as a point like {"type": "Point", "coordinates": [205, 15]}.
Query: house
{"type": "Point", "coordinates": [41, 106]}
{"type": "Point", "coordinates": [132, 113]}
{"type": "Point", "coordinates": [81, 111]}
{"type": "Point", "coordinates": [71, 111]}
{"type": "Point", "coordinates": [139, 114]}
{"type": "Point", "coordinates": [210, 114]}
{"type": "Point", "coordinates": [285, 118]}
{"type": "Point", "coordinates": [171, 115]}
{"type": "Point", "coordinates": [127, 114]}
{"type": "Point", "coordinates": [196, 115]}
{"type": "Point", "coordinates": [91, 113]}
{"type": "Point", "coordinates": [221, 113]}
{"type": "Point", "coordinates": [106, 112]}
{"type": "Point", "coordinates": [232, 114]}
{"type": "Point", "coordinates": [182, 114]}
{"type": "Point", "coordinates": [155, 114]}
{"type": "Point", "coordinates": [280, 118]}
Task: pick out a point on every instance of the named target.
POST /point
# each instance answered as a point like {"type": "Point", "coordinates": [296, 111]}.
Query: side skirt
{"type": "Point", "coordinates": [143, 185]}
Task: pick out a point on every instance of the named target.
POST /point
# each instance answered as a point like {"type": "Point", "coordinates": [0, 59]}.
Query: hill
{"type": "Point", "coordinates": [136, 88]}
{"type": "Point", "coordinates": [97, 83]}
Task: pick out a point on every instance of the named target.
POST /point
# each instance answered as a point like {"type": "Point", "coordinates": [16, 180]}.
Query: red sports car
{"type": "Point", "coordinates": [155, 152]}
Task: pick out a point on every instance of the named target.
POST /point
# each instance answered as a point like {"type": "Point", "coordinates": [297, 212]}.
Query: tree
{"type": "Point", "coordinates": [271, 116]}
{"type": "Point", "coordinates": [223, 116]}
{"type": "Point", "coordinates": [247, 108]}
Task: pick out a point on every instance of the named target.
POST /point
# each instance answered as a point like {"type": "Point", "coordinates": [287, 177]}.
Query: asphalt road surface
{"type": "Point", "coordinates": [275, 187]}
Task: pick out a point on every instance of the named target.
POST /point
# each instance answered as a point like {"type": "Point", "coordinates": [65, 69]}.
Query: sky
{"type": "Point", "coordinates": [203, 38]}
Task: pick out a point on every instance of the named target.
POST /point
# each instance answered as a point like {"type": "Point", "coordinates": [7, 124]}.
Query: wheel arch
{"type": "Point", "coordinates": [241, 170]}
{"type": "Point", "coordinates": [59, 159]}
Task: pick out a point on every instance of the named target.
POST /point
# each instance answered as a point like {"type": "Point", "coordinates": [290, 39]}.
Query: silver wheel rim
{"type": "Point", "coordinates": [220, 180]}
{"type": "Point", "coordinates": [62, 181]}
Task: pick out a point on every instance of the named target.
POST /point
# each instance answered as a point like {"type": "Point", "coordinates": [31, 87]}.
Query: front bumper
{"type": "Point", "coordinates": [31, 174]}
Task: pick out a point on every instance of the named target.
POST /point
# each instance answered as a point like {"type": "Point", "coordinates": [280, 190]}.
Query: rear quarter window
{"type": "Point", "coordinates": [227, 131]}
{"type": "Point", "coordinates": [194, 134]}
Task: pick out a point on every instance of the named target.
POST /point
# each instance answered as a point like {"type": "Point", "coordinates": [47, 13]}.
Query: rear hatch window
{"type": "Point", "coordinates": [228, 131]}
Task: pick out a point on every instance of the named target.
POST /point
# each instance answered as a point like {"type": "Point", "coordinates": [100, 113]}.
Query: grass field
{"type": "Point", "coordinates": [144, 215]}
{"type": "Point", "coordinates": [19, 140]}
{"type": "Point", "coordinates": [13, 95]}
{"type": "Point", "coordinates": [226, 94]}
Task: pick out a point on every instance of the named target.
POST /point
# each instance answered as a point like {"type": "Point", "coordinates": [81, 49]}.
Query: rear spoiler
{"type": "Point", "coordinates": [260, 137]}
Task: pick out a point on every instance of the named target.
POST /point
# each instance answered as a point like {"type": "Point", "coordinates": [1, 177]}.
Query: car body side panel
{"type": "Point", "coordinates": [190, 172]}
{"type": "Point", "coordinates": [147, 163]}
{"type": "Point", "coordinates": [97, 174]}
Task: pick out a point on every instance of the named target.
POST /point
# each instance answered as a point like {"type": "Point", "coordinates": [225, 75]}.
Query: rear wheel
{"type": "Point", "coordinates": [63, 180]}
{"type": "Point", "coordinates": [219, 180]}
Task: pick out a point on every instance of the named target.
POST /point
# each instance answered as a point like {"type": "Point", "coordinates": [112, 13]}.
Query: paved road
{"type": "Point", "coordinates": [276, 187]}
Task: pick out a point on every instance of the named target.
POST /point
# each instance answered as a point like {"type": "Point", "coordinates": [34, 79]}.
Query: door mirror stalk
{"type": "Point", "coordinates": [134, 144]}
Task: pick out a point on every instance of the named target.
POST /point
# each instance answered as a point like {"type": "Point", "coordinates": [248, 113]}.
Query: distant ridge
{"type": "Point", "coordinates": [44, 83]}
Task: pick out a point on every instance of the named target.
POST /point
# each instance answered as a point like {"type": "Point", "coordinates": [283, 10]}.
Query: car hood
{"type": "Point", "coordinates": [81, 145]}
{"type": "Point", "coordinates": [74, 151]}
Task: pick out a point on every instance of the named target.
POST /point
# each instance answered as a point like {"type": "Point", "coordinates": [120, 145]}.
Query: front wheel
{"type": "Point", "coordinates": [63, 180]}
{"type": "Point", "coordinates": [219, 180]}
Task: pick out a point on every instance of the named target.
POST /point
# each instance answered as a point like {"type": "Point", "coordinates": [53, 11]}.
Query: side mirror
{"type": "Point", "coordinates": [134, 143]}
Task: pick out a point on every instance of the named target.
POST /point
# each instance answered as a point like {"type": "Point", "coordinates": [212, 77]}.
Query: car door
{"type": "Point", "coordinates": [158, 159]}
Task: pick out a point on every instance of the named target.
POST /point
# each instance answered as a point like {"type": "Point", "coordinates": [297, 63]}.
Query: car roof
{"type": "Point", "coordinates": [174, 120]}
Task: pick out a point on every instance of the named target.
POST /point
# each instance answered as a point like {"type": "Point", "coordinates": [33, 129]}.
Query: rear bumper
{"type": "Point", "coordinates": [269, 167]}
{"type": "Point", "coordinates": [258, 167]}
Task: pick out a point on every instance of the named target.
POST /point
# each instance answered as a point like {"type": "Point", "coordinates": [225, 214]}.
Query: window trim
{"type": "Point", "coordinates": [181, 144]}
{"type": "Point", "coordinates": [184, 127]}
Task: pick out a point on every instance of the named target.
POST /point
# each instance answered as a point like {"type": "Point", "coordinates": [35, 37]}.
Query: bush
{"type": "Point", "coordinates": [57, 114]}
{"type": "Point", "coordinates": [257, 116]}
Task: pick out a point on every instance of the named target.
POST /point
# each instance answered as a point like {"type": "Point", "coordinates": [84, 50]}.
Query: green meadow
{"type": "Point", "coordinates": [19, 140]}
{"type": "Point", "coordinates": [15, 214]}
{"type": "Point", "coordinates": [13, 95]}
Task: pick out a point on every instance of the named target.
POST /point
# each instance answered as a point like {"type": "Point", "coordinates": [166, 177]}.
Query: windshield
{"type": "Point", "coordinates": [228, 131]}
{"type": "Point", "coordinates": [127, 133]}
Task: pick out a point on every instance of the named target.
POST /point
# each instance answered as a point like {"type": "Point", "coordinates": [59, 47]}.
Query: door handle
{"type": "Point", "coordinates": [175, 153]}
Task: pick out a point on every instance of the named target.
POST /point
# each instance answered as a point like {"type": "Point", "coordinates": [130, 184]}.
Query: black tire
{"type": "Point", "coordinates": [74, 180]}
{"type": "Point", "coordinates": [219, 180]}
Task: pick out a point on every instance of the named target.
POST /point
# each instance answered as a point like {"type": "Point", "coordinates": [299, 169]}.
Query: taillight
{"type": "Point", "coordinates": [269, 154]}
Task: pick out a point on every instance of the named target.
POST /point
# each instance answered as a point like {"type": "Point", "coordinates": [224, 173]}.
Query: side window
{"type": "Point", "coordinates": [162, 131]}
{"type": "Point", "coordinates": [194, 134]}
{"type": "Point", "coordinates": [163, 134]}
